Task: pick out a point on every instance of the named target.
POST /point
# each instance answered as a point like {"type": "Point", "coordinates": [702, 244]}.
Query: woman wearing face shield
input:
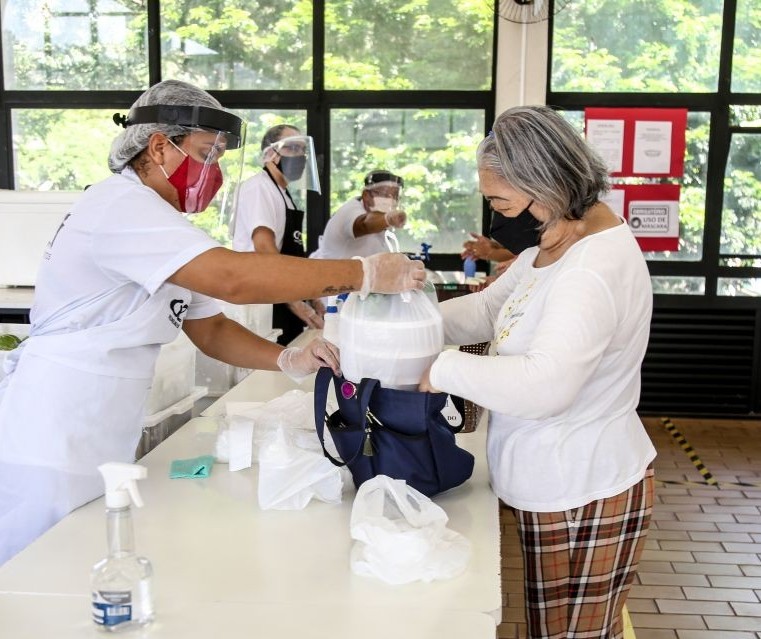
{"type": "Point", "coordinates": [570, 321]}
{"type": "Point", "coordinates": [357, 227]}
{"type": "Point", "coordinates": [268, 221]}
{"type": "Point", "coordinates": [124, 273]}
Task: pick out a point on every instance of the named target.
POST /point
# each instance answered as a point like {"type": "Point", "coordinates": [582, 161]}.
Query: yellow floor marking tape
{"type": "Point", "coordinates": [710, 480]}
{"type": "Point", "coordinates": [628, 628]}
{"type": "Point", "coordinates": [708, 477]}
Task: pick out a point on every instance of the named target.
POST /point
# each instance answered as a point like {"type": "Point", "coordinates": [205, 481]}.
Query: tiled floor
{"type": "Point", "coordinates": [700, 574]}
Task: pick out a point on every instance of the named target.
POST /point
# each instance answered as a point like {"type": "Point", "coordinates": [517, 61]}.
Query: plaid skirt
{"type": "Point", "coordinates": [579, 564]}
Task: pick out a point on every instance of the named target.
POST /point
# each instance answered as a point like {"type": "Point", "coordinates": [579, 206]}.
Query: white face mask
{"type": "Point", "coordinates": [384, 204]}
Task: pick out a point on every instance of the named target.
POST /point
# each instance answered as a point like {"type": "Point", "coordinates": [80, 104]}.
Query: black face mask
{"type": "Point", "coordinates": [292, 167]}
{"type": "Point", "coordinates": [516, 233]}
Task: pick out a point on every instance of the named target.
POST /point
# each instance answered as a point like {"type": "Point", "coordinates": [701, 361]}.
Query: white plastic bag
{"type": "Point", "coordinates": [391, 338]}
{"type": "Point", "coordinates": [290, 476]}
{"type": "Point", "coordinates": [401, 535]}
{"type": "Point", "coordinates": [280, 436]}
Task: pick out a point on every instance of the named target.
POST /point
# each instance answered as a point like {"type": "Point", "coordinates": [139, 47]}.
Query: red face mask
{"type": "Point", "coordinates": [196, 182]}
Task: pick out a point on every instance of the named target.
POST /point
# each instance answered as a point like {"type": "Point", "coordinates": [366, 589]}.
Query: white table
{"type": "Point", "coordinates": [67, 617]}
{"type": "Point", "coordinates": [222, 564]}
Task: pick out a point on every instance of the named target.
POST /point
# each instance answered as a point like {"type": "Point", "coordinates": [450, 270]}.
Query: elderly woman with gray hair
{"type": "Point", "coordinates": [124, 273]}
{"type": "Point", "coordinates": [570, 322]}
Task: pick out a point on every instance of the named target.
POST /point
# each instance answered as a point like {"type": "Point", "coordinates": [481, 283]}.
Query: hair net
{"type": "Point", "coordinates": [135, 138]}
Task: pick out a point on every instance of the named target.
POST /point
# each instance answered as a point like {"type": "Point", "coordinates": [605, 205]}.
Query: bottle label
{"type": "Point", "coordinates": [111, 607]}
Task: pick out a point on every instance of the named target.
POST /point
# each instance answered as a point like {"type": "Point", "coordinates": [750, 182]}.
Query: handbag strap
{"type": "Point", "coordinates": [321, 386]}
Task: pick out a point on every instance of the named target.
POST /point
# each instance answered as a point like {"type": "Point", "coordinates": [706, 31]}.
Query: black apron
{"type": "Point", "coordinates": [282, 317]}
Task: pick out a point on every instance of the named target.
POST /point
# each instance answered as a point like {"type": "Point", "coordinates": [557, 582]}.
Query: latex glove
{"type": "Point", "coordinates": [395, 218]}
{"type": "Point", "coordinates": [306, 314]}
{"type": "Point", "coordinates": [318, 306]}
{"type": "Point", "coordinates": [480, 247]}
{"type": "Point", "coordinates": [297, 362]}
{"type": "Point", "coordinates": [390, 273]}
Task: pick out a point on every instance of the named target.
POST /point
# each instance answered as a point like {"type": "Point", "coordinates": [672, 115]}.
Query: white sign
{"type": "Point", "coordinates": [607, 138]}
{"type": "Point", "coordinates": [654, 218]}
{"type": "Point", "coordinates": [652, 147]}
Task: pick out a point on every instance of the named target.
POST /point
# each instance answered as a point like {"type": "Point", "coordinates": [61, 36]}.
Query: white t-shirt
{"type": "Point", "coordinates": [120, 243]}
{"type": "Point", "coordinates": [338, 241]}
{"type": "Point", "coordinates": [260, 203]}
{"type": "Point", "coordinates": [564, 387]}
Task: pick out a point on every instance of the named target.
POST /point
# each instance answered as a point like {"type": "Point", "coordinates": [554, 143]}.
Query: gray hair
{"type": "Point", "coordinates": [130, 142]}
{"type": "Point", "coordinates": [536, 151]}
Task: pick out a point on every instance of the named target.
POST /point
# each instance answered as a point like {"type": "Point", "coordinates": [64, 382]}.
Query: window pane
{"type": "Point", "coordinates": [692, 202]}
{"type": "Point", "coordinates": [56, 149]}
{"type": "Point", "coordinates": [629, 45]}
{"type": "Point", "coordinates": [739, 286]}
{"type": "Point", "coordinates": [433, 150]}
{"type": "Point", "coordinates": [747, 54]}
{"type": "Point", "coordinates": [402, 45]}
{"type": "Point", "coordinates": [74, 44]}
{"type": "Point", "coordinates": [745, 116]}
{"type": "Point", "coordinates": [238, 44]}
{"type": "Point", "coordinates": [258, 122]}
{"type": "Point", "coordinates": [678, 285]}
{"type": "Point", "coordinates": [741, 215]}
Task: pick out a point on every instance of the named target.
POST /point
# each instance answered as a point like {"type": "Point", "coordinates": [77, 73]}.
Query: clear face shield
{"type": "Point", "coordinates": [385, 197]}
{"type": "Point", "coordinates": [295, 158]}
{"type": "Point", "coordinates": [207, 179]}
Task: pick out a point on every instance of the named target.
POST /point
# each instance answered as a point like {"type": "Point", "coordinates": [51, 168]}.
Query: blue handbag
{"type": "Point", "coordinates": [382, 431]}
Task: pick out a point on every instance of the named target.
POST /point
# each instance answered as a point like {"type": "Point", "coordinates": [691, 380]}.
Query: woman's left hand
{"type": "Point", "coordinates": [297, 362]}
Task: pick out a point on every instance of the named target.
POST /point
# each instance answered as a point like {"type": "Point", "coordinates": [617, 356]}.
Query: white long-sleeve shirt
{"type": "Point", "coordinates": [564, 387]}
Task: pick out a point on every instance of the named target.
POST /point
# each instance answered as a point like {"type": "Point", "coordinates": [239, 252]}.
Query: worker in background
{"type": "Point", "coordinates": [268, 221]}
{"type": "Point", "coordinates": [357, 227]}
{"type": "Point", "coordinates": [123, 274]}
{"type": "Point", "coordinates": [508, 236]}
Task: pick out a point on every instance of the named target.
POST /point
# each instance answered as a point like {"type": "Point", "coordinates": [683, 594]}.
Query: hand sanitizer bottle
{"type": "Point", "coordinates": [331, 319]}
{"type": "Point", "coordinates": [469, 267]}
{"type": "Point", "coordinates": [121, 583]}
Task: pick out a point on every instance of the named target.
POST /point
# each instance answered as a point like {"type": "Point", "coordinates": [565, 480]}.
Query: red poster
{"type": "Point", "coordinates": [638, 142]}
{"type": "Point", "coordinates": [652, 211]}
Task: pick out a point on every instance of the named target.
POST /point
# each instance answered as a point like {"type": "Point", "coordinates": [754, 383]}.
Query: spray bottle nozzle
{"type": "Point", "coordinates": [120, 478]}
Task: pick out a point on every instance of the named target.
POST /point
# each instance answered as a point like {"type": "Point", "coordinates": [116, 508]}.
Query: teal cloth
{"type": "Point", "coordinates": [191, 468]}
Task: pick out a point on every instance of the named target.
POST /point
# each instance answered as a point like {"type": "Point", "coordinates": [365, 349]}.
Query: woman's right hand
{"type": "Point", "coordinates": [390, 273]}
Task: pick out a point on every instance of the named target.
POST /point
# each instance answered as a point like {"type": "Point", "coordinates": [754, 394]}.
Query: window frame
{"type": "Point", "coordinates": [718, 104]}
{"type": "Point", "coordinates": [318, 103]}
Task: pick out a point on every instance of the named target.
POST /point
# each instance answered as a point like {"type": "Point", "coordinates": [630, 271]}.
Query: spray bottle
{"type": "Point", "coordinates": [121, 583]}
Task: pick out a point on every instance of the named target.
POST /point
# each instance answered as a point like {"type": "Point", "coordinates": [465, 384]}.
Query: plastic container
{"type": "Point", "coordinates": [255, 317]}
{"type": "Point", "coordinates": [160, 425]}
{"type": "Point", "coordinates": [175, 374]}
{"type": "Point", "coordinates": [391, 340]}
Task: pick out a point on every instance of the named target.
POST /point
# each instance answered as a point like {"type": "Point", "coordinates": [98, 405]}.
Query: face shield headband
{"type": "Point", "coordinates": [296, 160]}
{"type": "Point", "coordinates": [191, 117]}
